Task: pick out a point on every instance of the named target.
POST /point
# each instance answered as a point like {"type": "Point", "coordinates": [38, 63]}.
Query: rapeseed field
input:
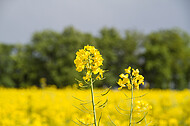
{"type": "Point", "coordinates": [62, 107]}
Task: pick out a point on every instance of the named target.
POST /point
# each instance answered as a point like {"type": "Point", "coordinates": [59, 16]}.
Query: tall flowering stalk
{"type": "Point", "coordinates": [90, 60]}
{"type": "Point", "coordinates": [130, 79]}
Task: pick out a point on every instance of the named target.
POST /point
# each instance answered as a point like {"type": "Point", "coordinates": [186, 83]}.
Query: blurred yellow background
{"type": "Point", "coordinates": [57, 107]}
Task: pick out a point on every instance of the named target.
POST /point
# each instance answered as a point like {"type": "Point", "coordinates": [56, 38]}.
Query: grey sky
{"type": "Point", "coordinates": [19, 19]}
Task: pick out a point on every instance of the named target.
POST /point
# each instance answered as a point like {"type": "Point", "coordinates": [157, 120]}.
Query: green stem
{"type": "Point", "coordinates": [145, 121]}
{"type": "Point", "coordinates": [92, 94]}
{"type": "Point", "coordinates": [93, 103]}
{"type": "Point", "coordinates": [130, 119]}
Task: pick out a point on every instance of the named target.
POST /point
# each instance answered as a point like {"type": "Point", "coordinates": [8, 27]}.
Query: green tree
{"type": "Point", "coordinates": [57, 52]}
{"type": "Point", "coordinates": [178, 43]}
{"type": "Point", "coordinates": [108, 43]}
{"type": "Point", "coordinates": [28, 66]}
{"type": "Point", "coordinates": [157, 61]}
{"type": "Point", "coordinates": [166, 58]}
{"type": "Point", "coordinates": [6, 65]}
{"type": "Point", "coordinates": [118, 52]}
{"type": "Point", "coordinates": [130, 49]}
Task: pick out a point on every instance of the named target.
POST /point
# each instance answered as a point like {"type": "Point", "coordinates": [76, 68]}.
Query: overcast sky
{"type": "Point", "coordinates": [19, 19]}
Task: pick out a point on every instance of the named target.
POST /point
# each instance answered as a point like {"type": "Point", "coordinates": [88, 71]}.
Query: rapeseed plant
{"type": "Point", "coordinates": [130, 79]}
{"type": "Point", "coordinates": [90, 60]}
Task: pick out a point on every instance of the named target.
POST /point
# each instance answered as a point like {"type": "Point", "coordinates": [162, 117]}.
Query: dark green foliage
{"type": "Point", "coordinates": [167, 59]}
{"type": "Point", "coordinates": [163, 57]}
{"type": "Point", "coordinates": [6, 65]}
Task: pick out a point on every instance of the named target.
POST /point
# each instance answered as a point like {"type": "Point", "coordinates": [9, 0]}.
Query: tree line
{"type": "Point", "coordinates": [163, 57]}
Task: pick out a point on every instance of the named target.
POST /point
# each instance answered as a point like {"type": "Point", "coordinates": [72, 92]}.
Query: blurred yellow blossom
{"type": "Point", "coordinates": [53, 107]}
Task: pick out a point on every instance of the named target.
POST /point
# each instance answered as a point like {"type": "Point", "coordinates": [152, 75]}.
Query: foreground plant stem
{"type": "Point", "coordinates": [131, 115]}
{"type": "Point", "coordinates": [145, 121]}
{"type": "Point", "coordinates": [93, 103]}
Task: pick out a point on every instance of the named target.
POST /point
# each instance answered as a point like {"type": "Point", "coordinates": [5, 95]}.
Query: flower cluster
{"type": "Point", "coordinates": [143, 110]}
{"type": "Point", "coordinates": [89, 59]}
{"type": "Point", "coordinates": [130, 79]}
{"type": "Point", "coordinates": [142, 106]}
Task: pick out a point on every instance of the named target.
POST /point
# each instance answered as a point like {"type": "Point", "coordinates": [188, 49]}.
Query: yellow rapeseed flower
{"type": "Point", "coordinates": [89, 59]}
{"type": "Point", "coordinates": [128, 70]}
{"type": "Point", "coordinates": [135, 72]}
{"type": "Point", "coordinates": [121, 84]}
{"type": "Point", "coordinates": [142, 106]}
{"type": "Point", "coordinates": [130, 77]}
{"type": "Point", "coordinates": [80, 84]}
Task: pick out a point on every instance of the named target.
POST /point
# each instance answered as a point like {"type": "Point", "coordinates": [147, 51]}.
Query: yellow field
{"type": "Point", "coordinates": [52, 107]}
